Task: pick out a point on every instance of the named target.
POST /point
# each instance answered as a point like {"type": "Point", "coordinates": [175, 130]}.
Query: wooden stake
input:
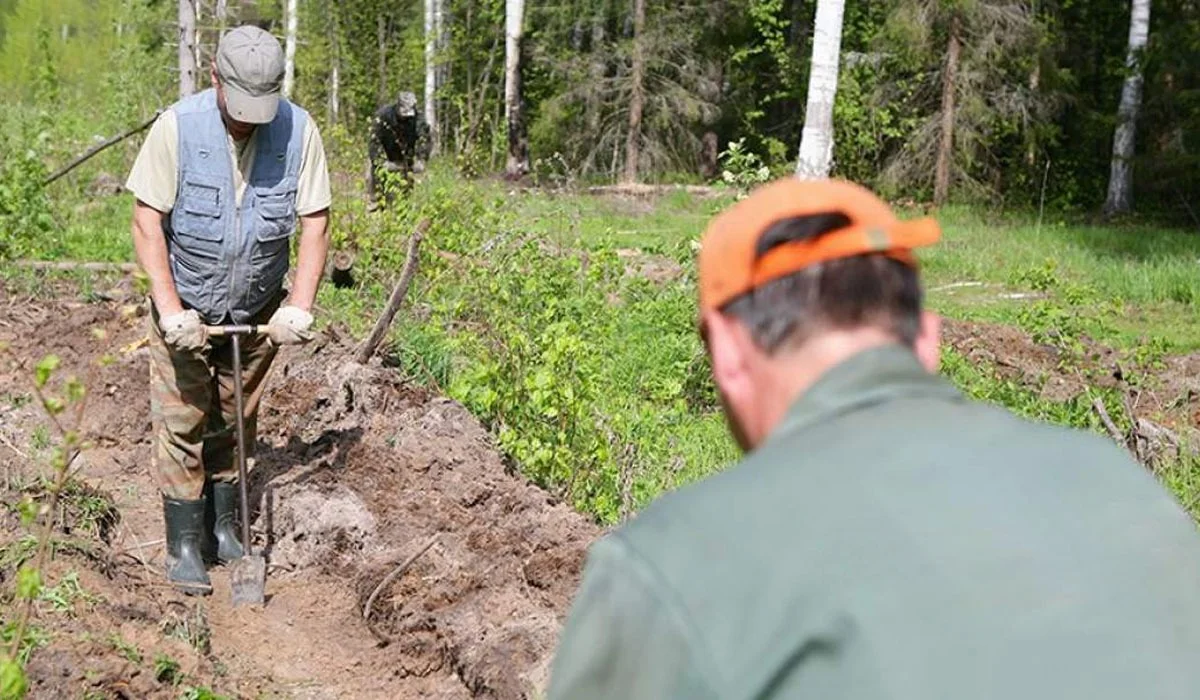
{"type": "Point", "coordinates": [385, 321]}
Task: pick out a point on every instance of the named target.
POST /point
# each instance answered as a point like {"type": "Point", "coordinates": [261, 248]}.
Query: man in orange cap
{"type": "Point", "coordinates": [884, 536]}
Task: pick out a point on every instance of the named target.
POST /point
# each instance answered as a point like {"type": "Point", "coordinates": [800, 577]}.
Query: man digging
{"type": "Point", "coordinates": [220, 183]}
{"type": "Point", "coordinates": [884, 537]}
{"type": "Point", "coordinates": [398, 144]}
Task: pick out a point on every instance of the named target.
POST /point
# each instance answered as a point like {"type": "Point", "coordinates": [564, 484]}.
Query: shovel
{"type": "Point", "coordinates": [248, 574]}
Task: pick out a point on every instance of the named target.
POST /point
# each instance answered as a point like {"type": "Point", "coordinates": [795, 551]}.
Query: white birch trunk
{"type": "Point", "coordinates": [187, 48]}
{"type": "Point", "coordinates": [222, 17]}
{"type": "Point", "coordinates": [289, 50]}
{"type": "Point", "coordinates": [335, 82]}
{"type": "Point", "coordinates": [816, 139]}
{"type": "Point", "coordinates": [517, 162]}
{"type": "Point", "coordinates": [431, 75]}
{"type": "Point", "coordinates": [1120, 180]}
{"type": "Point", "coordinates": [442, 66]}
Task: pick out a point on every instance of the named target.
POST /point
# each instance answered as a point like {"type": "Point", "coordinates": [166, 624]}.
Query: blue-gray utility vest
{"type": "Point", "coordinates": [229, 261]}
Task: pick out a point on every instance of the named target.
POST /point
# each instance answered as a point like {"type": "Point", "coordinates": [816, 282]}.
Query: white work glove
{"type": "Point", "coordinates": [289, 326]}
{"type": "Point", "coordinates": [184, 331]}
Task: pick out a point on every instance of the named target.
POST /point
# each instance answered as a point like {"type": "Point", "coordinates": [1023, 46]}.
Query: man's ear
{"type": "Point", "coordinates": [212, 73]}
{"type": "Point", "coordinates": [728, 346]}
{"type": "Point", "coordinates": [929, 340]}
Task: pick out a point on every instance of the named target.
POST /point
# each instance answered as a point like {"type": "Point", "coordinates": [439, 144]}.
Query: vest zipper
{"type": "Point", "coordinates": [233, 264]}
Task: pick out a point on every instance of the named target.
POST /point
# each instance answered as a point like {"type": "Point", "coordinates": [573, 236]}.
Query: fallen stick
{"type": "Point", "coordinates": [13, 447]}
{"type": "Point", "coordinates": [956, 285]}
{"type": "Point", "coordinates": [644, 189]}
{"type": "Point", "coordinates": [76, 265]}
{"type": "Point", "coordinates": [385, 321]}
{"type": "Point", "coordinates": [1109, 425]}
{"type": "Point", "coordinates": [100, 147]}
{"type": "Point", "coordinates": [392, 576]}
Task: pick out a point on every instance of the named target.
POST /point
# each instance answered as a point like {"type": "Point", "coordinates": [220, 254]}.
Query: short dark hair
{"type": "Point", "coordinates": [863, 290]}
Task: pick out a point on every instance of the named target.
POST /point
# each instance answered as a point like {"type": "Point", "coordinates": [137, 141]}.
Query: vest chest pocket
{"type": "Point", "coordinates": [276, 220]}
{"type": "Point", "coordinates": [276, 209]}
{"type": "Point", "coordinates": [197, 217]}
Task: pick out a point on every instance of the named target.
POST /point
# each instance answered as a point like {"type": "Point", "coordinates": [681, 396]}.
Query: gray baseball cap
{"type": "Point", "coordinates": [406, 104]}
{"type": "Point", "coordinates": [250, 65]}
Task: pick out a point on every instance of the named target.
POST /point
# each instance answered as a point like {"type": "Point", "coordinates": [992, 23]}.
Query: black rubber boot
{"type": "Point", "coordinates": [225, 512]}
{"type": "Point", "coordinates": [185, 533]}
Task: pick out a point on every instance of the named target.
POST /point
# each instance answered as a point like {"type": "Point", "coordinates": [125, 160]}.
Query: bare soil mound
{"type": "Point", "coordinates": [1163, 397]}
{"type": "Point", "coordinates": [356, 474]}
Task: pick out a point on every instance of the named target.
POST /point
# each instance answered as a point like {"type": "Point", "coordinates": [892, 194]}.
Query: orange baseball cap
{"type": "Point", "coordinates": [730, 266]}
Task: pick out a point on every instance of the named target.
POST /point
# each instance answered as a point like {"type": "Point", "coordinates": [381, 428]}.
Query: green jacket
{"type": "Point", "coordinates": [894, 540]}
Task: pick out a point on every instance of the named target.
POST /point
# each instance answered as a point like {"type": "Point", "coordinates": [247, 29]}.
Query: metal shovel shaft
{"type": "Point", "coordinates": [243, 488]}
{"type": "Point", "coordinates": [247, 574]}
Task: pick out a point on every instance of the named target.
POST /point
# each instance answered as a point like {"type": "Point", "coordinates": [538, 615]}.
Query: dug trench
{"type": "Point", "coordinates": [369, 495]}
{"type": "Point", "coordinates": [355, 475]}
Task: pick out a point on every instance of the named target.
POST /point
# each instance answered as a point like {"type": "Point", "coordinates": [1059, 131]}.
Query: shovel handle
{"type": "Point", "coordinates": [223, 331]}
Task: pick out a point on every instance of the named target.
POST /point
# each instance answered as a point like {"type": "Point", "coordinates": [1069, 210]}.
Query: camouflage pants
{"type": "Point", "coordinates": [192, 408]}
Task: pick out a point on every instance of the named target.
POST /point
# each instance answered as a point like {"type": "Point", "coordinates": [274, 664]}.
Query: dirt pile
{"type": "Point", "coordinates": [1163, 399]}
{"type": "Point", "coordinates": [356, 473]}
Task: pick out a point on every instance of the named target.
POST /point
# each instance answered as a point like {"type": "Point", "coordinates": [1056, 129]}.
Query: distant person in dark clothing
{"type": "Point", "coordinates": [399, 144]}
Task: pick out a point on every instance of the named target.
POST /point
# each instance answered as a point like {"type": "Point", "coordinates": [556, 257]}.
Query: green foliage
{"type": "Point", "coordinates": [741, 168]}
{"type": "Point", "coordinates": [29, 583]}
{"type": "Point", "coordinates": [127, 650]}
{"type": "Point", "coordinates": [30, 552]}
{"type": "Point", "coordinates": [30, 639]}
{"type": "Point", "coordinates": [166, 670]}
{"type": "Point", "coordinates": [13, 683]}
{"type": "Point", "coordinates": [24, 206]}
{"type": "Point", "coordinates": [200, 693]}
{"type": "Point", "coordinates": [63, 597]}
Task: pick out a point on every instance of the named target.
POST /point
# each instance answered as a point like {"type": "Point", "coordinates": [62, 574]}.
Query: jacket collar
{"type": "Point", "coordinates": [869, 377]}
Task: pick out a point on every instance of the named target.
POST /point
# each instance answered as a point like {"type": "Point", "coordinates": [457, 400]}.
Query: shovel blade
{"type": "Point", "coordinates": [247, 579]}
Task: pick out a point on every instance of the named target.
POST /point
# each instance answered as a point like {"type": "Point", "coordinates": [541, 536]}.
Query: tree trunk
{"type": "Point", "coordinates": [1035, 81]}
{"type": "Point", "coordinates": [198, 39]}
{"type": "Point", "coordinates": [816, 139]}
{"type": "Point", "coordinates": [187, 48]}
{"type": "Point", "coordinates": [441, 71]}
{"type": "Point", "coordinates": [335, 70]}
{"type": "Point", "coordinates": [638, 98]}
{"type": "Point", "coordinates": [517, 163]}
{"type": "Point", "coordinates": [289, 51]}
{"type": "Point", "coordinates": [1120, 180]}
{"type": "Point", "coordinates": [381, 37]}
{"type": "Point", "coordinates": [945, 153]}
{"type": "Point", "coordinates": [431, 75]}
{"type": "Point", "coordinates": [222, 17]}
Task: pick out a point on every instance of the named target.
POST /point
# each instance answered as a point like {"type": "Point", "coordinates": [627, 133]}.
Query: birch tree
{"type": "Point", "coordinates": [517, 163]}
{"type": "Point", "coordinates": [289, 51]}
{"type": "Point", "coordinates": [1120, 179]}
{"type": "Point", "coordinates": [187, 48]}
{"type": "Point", "coordinates": [441, 73]}
{"type": "Point", "coordinates": [431, 9]}
{"type": "Point", "coordinates": [816, 139]}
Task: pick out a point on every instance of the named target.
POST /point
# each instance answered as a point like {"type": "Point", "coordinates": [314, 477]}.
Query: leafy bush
{"type": "Point", "coordinates": [24, 207]}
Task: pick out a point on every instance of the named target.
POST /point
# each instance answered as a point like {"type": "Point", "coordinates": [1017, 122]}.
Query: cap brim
{"type": "Point", "coordinates": [251, 109]}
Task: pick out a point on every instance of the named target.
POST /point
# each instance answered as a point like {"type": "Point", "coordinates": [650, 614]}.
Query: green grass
{"type": "Point", "coordinates": [1150, 273]}
{"type": "Point", "coordinates": [979, 271]}
{"type": "Point", "coordinates": [653, 223]}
